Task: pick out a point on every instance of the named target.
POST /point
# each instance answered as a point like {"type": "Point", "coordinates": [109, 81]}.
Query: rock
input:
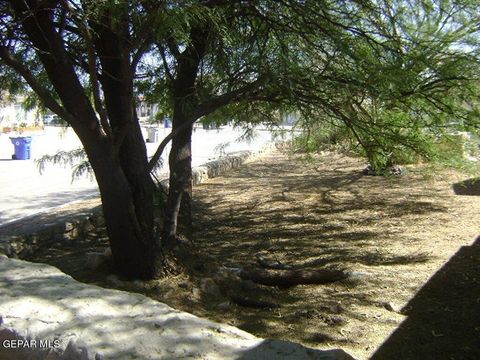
{"type": "Point", "coordinates": [209, 287]}
{"type": "Point", "coordinates": [369, 171]}
{"type": "Point", "coordinates": [184, 284]}
{"type": "Point", "coordinates": [16, 244]}
{"type": "Point", "coordinates": [69, 226]}
{"type": "Point", "coordinates": [196, 294]}
{"type": "Point", "coordinates": [394, 170]}
{"type": "Point", "coordinates": [6, 249]}
{"type": "Point", "coordinates": [224, 306]}
{"type": "Point", "coordinates": [68, 236]}
{"type": "Point", "coordinates": [94, 260]}
{"type": "Point", "coordinates": [390, 306]}
{"type": "Point", "coordinates": [34, 239]}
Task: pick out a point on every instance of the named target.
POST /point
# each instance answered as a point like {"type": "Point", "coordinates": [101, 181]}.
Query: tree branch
{"type": "Point", "coordinates": [37, 24]}
{"type": "Point", "coordinates": [165, 63]}
{"type": "Point", "coordinates": [92, 70]}
{"type": "Point", "coordinates": [40, 90]}
{"type": "Point", "coordinates": [203, 109]}
{"type": "Point", "coordinates": [142, 49]}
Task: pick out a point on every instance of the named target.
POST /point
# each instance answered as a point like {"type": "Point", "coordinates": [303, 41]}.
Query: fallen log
{"type": "Point", "coordinates": [293, 277]}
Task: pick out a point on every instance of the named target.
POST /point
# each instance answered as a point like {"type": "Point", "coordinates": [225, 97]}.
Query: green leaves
{"type": "Point", "coordinates": [393, 74]}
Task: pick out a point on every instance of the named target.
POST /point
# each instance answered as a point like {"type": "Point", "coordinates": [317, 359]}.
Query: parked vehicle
{"type": "Point", "coordinates": [53, 120]}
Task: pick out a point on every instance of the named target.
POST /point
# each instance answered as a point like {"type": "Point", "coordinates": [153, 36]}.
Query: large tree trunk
{"type": "Point", "coordinates": [117, 154]}
{"type": "Point", "coordinates": [127, 195]}
{"type": "Point", "coordinates": [127, 212]}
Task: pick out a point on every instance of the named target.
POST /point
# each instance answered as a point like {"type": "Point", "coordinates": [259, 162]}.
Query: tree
{"type": "Point", "coordinates": [223, 61]}
{"type": "Point", "coordinates": [81, 59]}
{"type": "Point", "coordinates": [376, 67]}
{"type": "Point", "coordinates": [65, 51]}
{"type": "Point", "coordinates": [409, 78]}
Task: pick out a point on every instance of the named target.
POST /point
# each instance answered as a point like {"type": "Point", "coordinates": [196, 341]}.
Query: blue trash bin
{"type": "Point", "coordinates": [167, 123]}
{"type": "Point", "coordinates": [22, 147]}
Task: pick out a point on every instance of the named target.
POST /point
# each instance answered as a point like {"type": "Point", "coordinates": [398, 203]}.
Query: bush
{"type": "Point", "coordinates": [326, 137]}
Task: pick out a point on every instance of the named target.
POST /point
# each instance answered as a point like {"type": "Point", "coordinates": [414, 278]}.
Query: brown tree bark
{"type": "Point", "coordinates": [129, 147]}
{"type": "Point", "coordinates": [180, 159]}
{"type": "Point", "coordinates": [180, 190]}
{"type": "Point", "coordinates": [131, 239]}
{"type": "Point", "coordinates": [118, 160]}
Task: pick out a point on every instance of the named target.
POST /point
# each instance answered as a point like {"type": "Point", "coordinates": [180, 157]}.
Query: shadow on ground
{"type": "Point", "coordinates": [392, 232]}
{"type": "Point", "coordinates": [469, 187]}
{"type": "Point", "coordinates": [439, 325]}
{"type": "Point", "coordinates": [310, 217]}
{"type": "Point", "coordinates": [320, 218]}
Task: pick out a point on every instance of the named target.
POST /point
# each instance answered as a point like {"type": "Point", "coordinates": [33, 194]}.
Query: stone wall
{"type": "Point", "coordinates": [22, 246]}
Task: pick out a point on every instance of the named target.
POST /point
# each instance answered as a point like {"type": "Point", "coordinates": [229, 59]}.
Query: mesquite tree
{"type": "Point", "coordinates": [405, 78]}
{"type": "Point", "coordinates": [388, 66]}
{"type": "Point", "coordinates": [395, 75]}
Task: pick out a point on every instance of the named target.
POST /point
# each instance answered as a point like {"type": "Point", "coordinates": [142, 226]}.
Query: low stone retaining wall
{"type": "Point", "coordinates": [91, 225]}
{"type": "Point", "coordinates": [220, 166]}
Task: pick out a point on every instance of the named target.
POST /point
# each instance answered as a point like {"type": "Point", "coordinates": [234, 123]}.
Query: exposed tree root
{"type": "Point", "coordinates": [267, 264]}
{"type": "Point", "coordinates": [293, 277]}
{"type": "Point", "coordinates": [253, 303]}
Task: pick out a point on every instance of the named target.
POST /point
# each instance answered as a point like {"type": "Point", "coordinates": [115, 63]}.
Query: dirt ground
{"type": "Point", "coordinates": [409, 241]}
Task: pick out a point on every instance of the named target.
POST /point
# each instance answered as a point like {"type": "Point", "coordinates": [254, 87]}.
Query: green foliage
{"type": "Point", "coordinates": [457, 151]}
{"type": "Point", "coordinates": [402, 76]}
{"type": "Point", "coordinates": [385, 79]}
{"type": "Point", "coordinates": [75, 159]}
{"type": "Point", "coordinates": [323, 137]}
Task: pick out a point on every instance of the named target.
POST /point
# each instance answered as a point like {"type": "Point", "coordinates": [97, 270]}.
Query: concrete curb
{"type": "Point", "coordinates": [48, 315]}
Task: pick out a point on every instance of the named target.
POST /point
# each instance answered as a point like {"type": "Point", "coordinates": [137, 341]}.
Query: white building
{"type": "Point", "coordinates": [146, 112]}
